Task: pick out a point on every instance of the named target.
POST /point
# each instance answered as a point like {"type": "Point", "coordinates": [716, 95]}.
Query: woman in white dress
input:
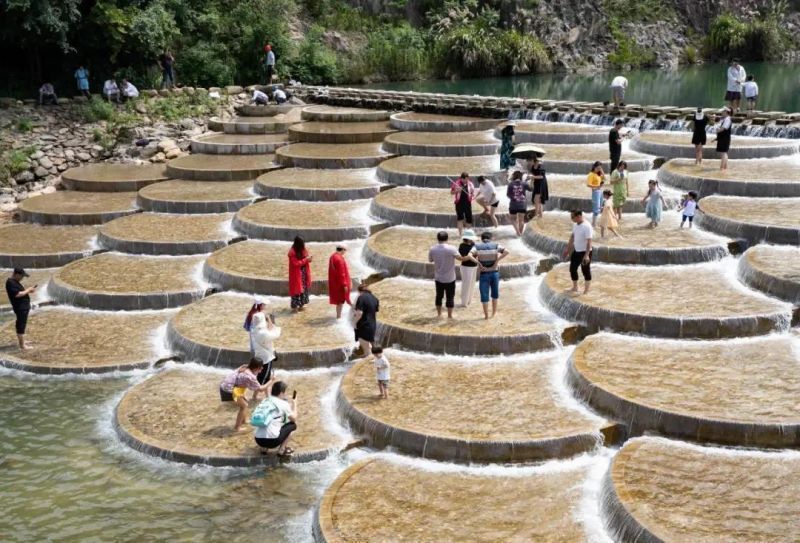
{"type": "Point", "coordinates": [263, 332]}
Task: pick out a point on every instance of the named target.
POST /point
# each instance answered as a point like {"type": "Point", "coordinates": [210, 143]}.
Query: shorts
{"type": "Point", "coordinates": [225, 396]}
{"type": "Point", "coordinates": [365, 332]}
{"type": "Point", "coordinates": [753, 99]}
{"type": "Point", "coordinates": [273, 442]}
{"type": "Point", "coordinates": [689, 217]}
{"type": "Point", "coordinates": [22, 322]}
{"type": "Point", "coordinates": [619, 93]}
{"type": "Point", "coordinates": [384, 383]}
{"type": "Point", "coordinates": [238, 392]}
{"type": "Point", "coordinates": [514, 210]}
{"type": "Point", "coordinates": [464, 212]}
{"type": "Point", "coordinates": [732, 95]}
{"type": "Point", "coordinates": [489, 283]}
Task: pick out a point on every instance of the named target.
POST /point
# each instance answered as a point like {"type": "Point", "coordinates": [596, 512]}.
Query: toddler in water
{"type": "Point", "coordinates": [382, 369]}
{"type": "Point", "coordinates": [689, 207]}
{"type": "Point", "coordinates": [655, 201]}
{"type": "Point", "coordinates": [608, 219]}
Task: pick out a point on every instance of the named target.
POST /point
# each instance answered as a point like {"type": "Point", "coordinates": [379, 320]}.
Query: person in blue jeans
{"type": "Point", "coordinates": [489, 254]}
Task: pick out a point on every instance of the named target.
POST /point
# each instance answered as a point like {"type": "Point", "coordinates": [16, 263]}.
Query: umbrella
{"type": "Point", "coordinates": [527, 150]}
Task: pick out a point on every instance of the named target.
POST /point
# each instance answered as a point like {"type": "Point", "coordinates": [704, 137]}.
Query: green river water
{"type": "Point", "coordinates": [697, 85]}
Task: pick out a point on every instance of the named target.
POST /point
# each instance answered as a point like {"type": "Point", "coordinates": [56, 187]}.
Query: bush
{"type": "Point", "coordinates": [24, 125]}
{"type": "Point", "coordinates": [628, 53]}
{"type": "Point", "coordinates": [98, 110]}
{"type": "Point", "coordinates": [207, 64]}
{"type": "Point", "coordinates": [759, 39]}
{"type": "Point", "coordinates": [395, 52]}
{"type": "Point", "coordinates": [314, 64]}
{"type": "Point", "coordinates": [691, 55]}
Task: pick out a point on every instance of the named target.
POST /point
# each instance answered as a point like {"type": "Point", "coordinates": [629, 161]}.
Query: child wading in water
{"type": "Point", "coordinates": [382, 369]}
{"type": "Point", "coordinates": [608, 218]}
{"type": "Point", "coordinates": [655, 202]}
{"type": "Point", "coordinates": [689, 208]}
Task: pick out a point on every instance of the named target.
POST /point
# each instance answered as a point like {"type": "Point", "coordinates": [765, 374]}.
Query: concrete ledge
{"type": "Point", "coordinates": [386, 210]}
{"type": "Point", "coordinates": [265, 111]}
{"type": "Point", "coordinates": [412, 121]}
{"type": "Point", "coordinates": [773, 270]}
{"type": "Point", "coordinates": [340, 132]}
{"type": "Point", "coordinates": [250, 125]}
{"type": "Point", "coordinates": [77, 208]}
{"type": "Point", "coordinates": [707, 186]}
{"type": "Point", "coordinates": [180, 196]}
{"type": "Point", "coordinates": [33, 246]}
{"type": "Point", "coordinates": [441, 144]}
{"type": "Point", "coordinates": [437, 172]}
{"type": "Point", "coordinates": [220, 168]}
{"type": "Point", "coordinates": [112, 177]}
{"type": "Point", "coordinates": [715, 217]}
{"type": "Point", "coordinates": [342, 114]}
{"type": "Point", "coordinates": [331, 156]}
{"type": "Point", "coordinates": [230, 144]}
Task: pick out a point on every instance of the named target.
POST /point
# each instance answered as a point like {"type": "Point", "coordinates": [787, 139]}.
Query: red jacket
{"type": "Point", "coordinates": [338, 280]}
{"type": "Point", "coordinates": [295, 276]}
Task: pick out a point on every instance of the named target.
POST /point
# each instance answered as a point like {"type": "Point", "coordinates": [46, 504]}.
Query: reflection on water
{"type": "Point", "coordinates": [63, 474]}
{"type": "Point", "coordinates": [702, 85]}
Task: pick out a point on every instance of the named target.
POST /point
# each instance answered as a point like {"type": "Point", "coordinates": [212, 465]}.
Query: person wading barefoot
{"type": "Point", "coordinates": [487, 198]}
{"type": "Point", "coordinates": [20, 300]}
{"type": "Point", "coordinates": [723, 130]}
{"type": "Point", "coordinates": [444, 258]}
{"type": "Point", "coordinates": [299, 274]}
{"type": "Point", "coordinates": [579, 250]}
{"type": "Point", "coordinates": [517, 206]}
{"type": "Point", "coordinates": [489, 254]}
{"type": "Point", "coordinates": [339, 283]}
{"type": "Point", "coordinates": [463, 192]}
{"type": "Point", "coordinates": [365, 320]}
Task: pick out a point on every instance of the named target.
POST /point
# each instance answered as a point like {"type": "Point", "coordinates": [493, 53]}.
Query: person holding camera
{"type": "Point", "coordinates": [263, 333]}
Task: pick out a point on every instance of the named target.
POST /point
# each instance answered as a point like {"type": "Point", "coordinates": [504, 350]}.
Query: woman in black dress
{"type": "Point", "coordinates": [365, 322]}
{"type": "Point", "coordinates": [724, 137]}
{"type": "Point", "coordinates": [540, 191]}
{"type": "Point", "coordinates": [699, 135]}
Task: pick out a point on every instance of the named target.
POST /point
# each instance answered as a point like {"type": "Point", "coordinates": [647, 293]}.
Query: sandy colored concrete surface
{"type": "Point", "coordinates": [113, 177]}
{"type": "Point", "coordinates": [342, 114]}
{"type": "Point", "coordinates": [73, 207]}
{"type": "Point", "coordinates": [773, 269]}
{"type": "Point", "coordinates": [178, 196]}
{"type": "Point", "coordinates": [30, 245]}
{"type": "Point", "coordinates": [169, 228]}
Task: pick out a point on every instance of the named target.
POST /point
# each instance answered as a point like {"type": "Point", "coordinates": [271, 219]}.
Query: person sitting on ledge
{"type": "Point", "coordinates": [47, 95]}
{"type": "Point", "coordinates": [275, 419]}
{"type": "Point", "coordinates": [111, 90]}
{"type": "Point", "coordinates": [236, 384]}
{"type": "Point", "coordinates": [259, 98]}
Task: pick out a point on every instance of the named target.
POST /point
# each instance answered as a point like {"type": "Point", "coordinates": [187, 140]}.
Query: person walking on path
{"type": "Point", "coordinates": [751, 93]}
{"type": "Point", "coordinates": [299, 274]}
{"type": "Point", "coordinates": [20, 299]}
{"type": "Point", "coordinates": [489, 254]}
{"type": "Point", "coordinates": [263, 333]}
{"type": "Point", "coordinates": [736, 78]}
{"type": "Point", "coordinates": [723, 130]}
{"type": "Point", "coordinates": [236, 384]}
{"type": "Point", "coordinates": [269, 64]}
{"type": "Point", "coordinates": [540, 191]}
{"type": "Point", "coordinates": [82, 80]}
{"type": "Point", "coordinates": [339, 282]}
{"type": "Point", "coordinates": [365, 320]}
{"type": "Point", "coordinates": [615, 144]}
{"type": "Point", "coordinates": [275, 419]}
{"type": "Point", "coordinates": [518, 205]}
{"type": "Point", "coordinates": [166, 61]}
{"type": "Point", "coordinates": [620, 188]}
{"type": "Point", "coordinates": [506, 148]}
{"type": "Point", "coordinates": [444, 258]}
{"type": "Point", "coordinates": [469, 267]}
{"type": "Point", "coordinates": [618, 86]}
{"type": "Point", "coordinates": [699, 125]}
{"type": "Point", "coordinates": [487, 198]}
{"type": "Point", "coordinates": [595, 181]}
{"type": "Point", "coordinates": [463, 192]}
{"type": "Point", "coordinates": [579, 251]}
{"type": "Point", "coordinates": [655, 203]}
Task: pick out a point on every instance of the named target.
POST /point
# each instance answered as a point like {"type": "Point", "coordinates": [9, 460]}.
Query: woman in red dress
{"type": "Point", "coordinates": [299, 274]}
{"type": "Point", "coordinates": [339, 280]}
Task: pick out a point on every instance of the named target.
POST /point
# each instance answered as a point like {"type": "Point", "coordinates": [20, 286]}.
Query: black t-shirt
{"type": "Point", "coordinates": [166, 60]}
{"type": "Point", "coordinates": [463, 250]}
{"type": "Point", "coordinates": [700, 125]}
{"type": "Point", "coordinates": [368, 304]}
{"type": "Point", "coordinates": [14, 287]}
{"type": "Point", "coordinates": [613, 146]}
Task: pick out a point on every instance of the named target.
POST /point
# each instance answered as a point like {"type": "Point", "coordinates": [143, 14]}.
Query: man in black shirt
{"type": "Point", "coordinates": [615, 144]}
{"type": "Point", "coordinates": [20, 300]}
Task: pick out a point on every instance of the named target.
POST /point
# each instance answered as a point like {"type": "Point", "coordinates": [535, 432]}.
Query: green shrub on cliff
{"type": "Point", "coordinates": [758, 39]}
{"type": "Point", "coordinates": [628, 53]}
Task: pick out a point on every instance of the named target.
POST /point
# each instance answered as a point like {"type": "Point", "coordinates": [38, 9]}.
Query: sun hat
{"type": "Point", "coordinates": [470, 235]}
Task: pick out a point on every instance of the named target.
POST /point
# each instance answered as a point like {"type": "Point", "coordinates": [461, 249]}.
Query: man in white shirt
{"type": "Point", "coordinates": [579, 250]}
{"type": "Point", "coordinates": [259, 98]}
{"type": "Point", "coordinates": [736, 78]}
{"type": "Point", "coordinates": [444, 258]}
{"type": "Point", "coordinates": [618, 86]}
{"type": "Point", "coordinates": [47, 94]}
{"type": "Point", "coordinates": [111, 90]}
{"type": "Point", "coordinates": [487, 198]}
{"type": "Point", "coordinates": [279, 96]}
{"type": "Point", "coordinates": [128, 90]}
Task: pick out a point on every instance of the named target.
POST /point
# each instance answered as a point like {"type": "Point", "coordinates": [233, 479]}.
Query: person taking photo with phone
{"type": "Point", "coordinates": [275, 419]}
{"type": "Point", "coordinates": [20, 299]}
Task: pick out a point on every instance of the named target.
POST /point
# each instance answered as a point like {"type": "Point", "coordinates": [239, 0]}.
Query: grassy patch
{"type": "Point", "coordinates": [24, 125]}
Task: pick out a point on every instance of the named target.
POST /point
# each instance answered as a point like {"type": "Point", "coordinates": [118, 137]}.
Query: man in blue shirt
{"type": "Point", "coordinates": [269, 63]}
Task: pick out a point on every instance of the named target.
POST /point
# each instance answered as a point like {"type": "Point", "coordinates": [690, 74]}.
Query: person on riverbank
{"type": "Point", "coordinates": [620, 188]}
{"type": "Point", "coordinates": [263, 332]}
{"type": "Point", "coordinates": [489, 254]}
{"type": "Point", "coordinates": [486, 196]}
{"type": "Point", "coordinates": [654, 201]}
{"type": "Point", "coordinates": [19, 297]}
{"type": "Point", "coordinates": [699, 125]}
{"type": "Point", "coordinates": [518, 205]}
{"type": "Point", "coordinates": [579, 251]}
{"type": "Point", "coordinates": [382, 371]}
{"type": "Point", "coordinates": [299, 274]}
{"type": "Point", "coordinates": [279, 96]}
{"type": "Point", "coordinates": [595, 181]}
{"type": "Point", "coordinates": [750, 89]}
{"type": "Point", "coordinates": [736, 78]}
{"type": "Point", "coordinates": [444, 258]}
{"type": "Point", "coordinates": [269, 64]}
{"type": "Point", "coordinates": [541, 193]}
{"type": "Point", "coordinates": [339, 282]}
{"type": "Point", "coordinates": [275, 419]}
{"type": "Point", "coordinates": [259, 98]}
{"type": "Point", "coordinates": [506, 148]}
{"type": "Point", "coordinates": [618, 87]}
{"type": "Point", "coordinates": [463, 192]}
{"type": "Point", "coordinates": [688, 208]}
{"type": "Point", "coordinates": [723, 129]}
{"type": "Point", "coordinates": [365, 320]}
{"type": "Point", "coordinates": [469, 267]}
{"type": "Point", "coordinates": [111, 91]}
{"type": "Point", "coordinates": [47, 94]}
{"type": "Point", "coordinates": [166, 62]}
{"type": "Point", "coordinates": [128, 91]}
{"type": "Point", "coordinates": [236, 384]}
{"type": "Point", "coordinates": [615, 144]}
{"type": "Point", "coordinates": [82, 80]}
{"type": "Point", "coordinates": [608, 218]}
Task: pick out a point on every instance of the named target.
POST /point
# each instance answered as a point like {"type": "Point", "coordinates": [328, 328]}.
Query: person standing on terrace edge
{"type": "Point", "coordinates": [595, 181]}
{"type": "Point", "coordinates": [736, 79]}
{"type": "Point", "coordinates": [339, 282]}
{"type": "Point", "coordinates": [20, 299]}
{"type": "Point", "coordinates": [615, 144]}
{"type": "Point", "coordinates": [618, 86]}
{"type": "Point", "coordinates": [723, 130]}
{"type": "Point", "coordinates": [82, 79]}
{"type": "Point", "coordinates": [299, 274]}
{"type": "Point", "coordinates": [166, 62]}
{"type": "Point", "coordinates": [699, 138]}
{"type": "Point", "coordinates": [619, 187]}
{"type": "Point", "coordinates": [269, 63]}
{"type": "Point", "coordinates": [444, 258]}
{"type": "Point", "coordinates": [540, 191]}
{"type": "Point", "coordinates": [507, 147]}
{"type": "Point", "coordinates": [517, 206]}
{"type": "Point", "coordinates": [579, 251]}
{"type": "Point", "coordinates": [463, 192]}
{"type": "Point", "coordinates": [365, 320]}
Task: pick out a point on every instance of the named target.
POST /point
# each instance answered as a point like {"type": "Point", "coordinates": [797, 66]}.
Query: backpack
{"type": "Point", "coordinates": [264, 413]}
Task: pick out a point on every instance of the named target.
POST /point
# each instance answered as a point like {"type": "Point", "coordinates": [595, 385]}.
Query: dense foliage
{"type": "Point", "coordinates": [758, 39]}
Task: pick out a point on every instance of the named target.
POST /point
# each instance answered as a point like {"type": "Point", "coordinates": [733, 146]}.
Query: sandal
{"type": "Point", "coordinates": [288, 451]}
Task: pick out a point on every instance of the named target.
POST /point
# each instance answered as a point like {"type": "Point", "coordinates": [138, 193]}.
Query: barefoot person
{"type": "Point", "coordinates": [339, 282]}
{"type": "Point", "coordinates": [506, 148]}
{"type": "Point", "coordinates": [382, 369]}
{"type": "Point", "coordinates": [487, 199]}
{"type": "Point", "coordinates": [579, 251]}
{"type": "Point", "coordinates": [463, 192]}
{"type": "Point", "coordinates": [518, 206]}
{"type": "Point", "coordinates": [299, 274]}
{"type": "Point", "coordinates": [608, 219]}
{"type": "Point", "coordinates": [365, 319]}
{"type": "Point", "coordinates": [615, 144]}
{"type": "Point", "coordinates": [236, 384]}
{"type": "Point", "coordinates": [489, 254]}
{"type": "Point", "coordinates": [619, 187]}
{"type": "Point", "coordinates": [469, 267]}
{"type": "Point", "coordinates": [655, 203]}
{"type": "Point", "coordinates": [263, 333]}
{"type": "Point", "coordinates": [540, 191]}
{"type": "Point", "coordinates": [595, 181]}
{"type": "Point", "coordinates": [444, 258]}
{"type": "Point", "coordinates": [736, 78]}
{"type": "Point", "coordinates": [20, 299]}
{"type": "Point", "coordinates": [700, 123]}
{"type": "Point", "coordinates": [723, 130]}
{"type": "Point", "coordinates": [275, 419]}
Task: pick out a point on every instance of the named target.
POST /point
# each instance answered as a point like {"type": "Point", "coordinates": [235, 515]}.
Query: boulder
{"type": "Point", "coordinates": [233, 89]}
{"type": "Point", "coordinates": [159, 157]}
{"type": "Point", "coordinates": [41, 172]}
{"type": "Point", "coordinates": [166, 144]}
{"type": "Point", "coordinates": [83, 156]}
{"type": "Point", "coordinates": [24, 177]}
{"type": "Point", "coordinates": [173, 153]}
{"type": "Point", "coordinates": [45, 162]}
